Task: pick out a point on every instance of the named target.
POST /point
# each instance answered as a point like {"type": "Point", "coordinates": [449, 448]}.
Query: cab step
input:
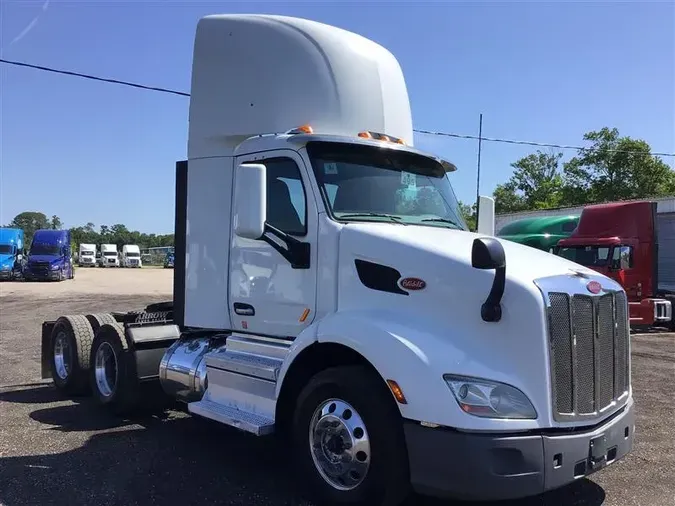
{"type": "Point", "coordinates": [228, 415]}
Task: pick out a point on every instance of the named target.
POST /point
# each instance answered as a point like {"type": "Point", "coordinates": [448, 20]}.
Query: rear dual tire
{"type": "Point", "coordinates": [70, 347]}
{"type": "Point", "coordinates": [112, 376]}
{"type": "Point", "coordinates": [349, 442]}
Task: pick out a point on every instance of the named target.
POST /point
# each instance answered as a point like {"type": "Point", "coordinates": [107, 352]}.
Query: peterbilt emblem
{"type": "Point", "coordinates": [413, 283]}
{"type": "Point", "coordinates": [594, 287]}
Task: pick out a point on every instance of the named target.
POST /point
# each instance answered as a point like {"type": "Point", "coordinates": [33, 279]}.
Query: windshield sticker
{"type": "Point", "coordinates": [409, 180]}
{"type": "Point", "coordinates": [330, 168]}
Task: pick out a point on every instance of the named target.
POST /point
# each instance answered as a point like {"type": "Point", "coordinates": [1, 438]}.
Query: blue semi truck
{"type": "Point", "coordinates": [11, 253]}
{"type": "Point", "coordinates": [49, 258]}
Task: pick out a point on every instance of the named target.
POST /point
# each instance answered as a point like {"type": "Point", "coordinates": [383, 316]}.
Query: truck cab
{"type": "Point", "coordinates": [619, 240]}
{"type": "Point", "coordinates": [109, 255]}
{"type": "Point", "coordinates": [11, 253]}
{"type": "Point", "coordinates": [49, 257]}
{"type": "Point", "coordinates": [86, 256]}
{"type": "Point", "coordinates": [327, 289]}
{"type": "Point", "coordinates": [169, 260]}
{"type": "Point", "coordinates": [131, 256]}
{"type": "Point", "coordinates": [539, 232]}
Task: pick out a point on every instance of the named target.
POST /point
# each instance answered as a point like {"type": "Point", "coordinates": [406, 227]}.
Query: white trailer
{"type": "Point", "coordinates": [87, 255]}
{"type": "Point", "coordinates": [109, 255]}
{"type": "Point", "coordinates": [131, 256]}
{"type": "Point", "coordinates": [327, 289]}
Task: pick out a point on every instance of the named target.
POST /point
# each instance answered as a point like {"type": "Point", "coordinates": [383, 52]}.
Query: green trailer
{"type": "Point", "coordinates": [540, 232]}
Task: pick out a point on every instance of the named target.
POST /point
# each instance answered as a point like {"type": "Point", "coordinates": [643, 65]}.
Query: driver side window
{"type": "Point", "coordinates": [286, 197]}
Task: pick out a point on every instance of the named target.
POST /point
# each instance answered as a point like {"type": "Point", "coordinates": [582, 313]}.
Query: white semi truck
{"type": "Point", "coordinates": [87, 255]}
{"type": "Point", "coordinates": [109, 255]}
{"type": "Point", "coordinates": [326, 289]}
{"type": "Point", "coordinates": [131, 256]}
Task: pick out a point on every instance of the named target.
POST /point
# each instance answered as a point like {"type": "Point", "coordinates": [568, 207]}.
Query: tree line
{"type": "Point", "coordinates": [30, 221]}
{"type": "Point", "coordinates": [611, 168]}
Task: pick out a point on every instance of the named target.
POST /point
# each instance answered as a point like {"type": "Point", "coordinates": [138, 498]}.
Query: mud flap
{"type": "Point", "coordinates": [46, 362]}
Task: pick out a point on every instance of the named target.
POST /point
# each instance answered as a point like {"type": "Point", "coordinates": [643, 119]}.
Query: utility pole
{"type": "Point", "coordinates": [480, 144]}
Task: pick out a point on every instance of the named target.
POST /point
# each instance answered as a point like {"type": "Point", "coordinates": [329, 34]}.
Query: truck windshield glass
{"type": "Point", "coordinates": [87, 253]}
{"type": "Point", "coordinates": [369, 183]}
{"type": "Point", "coordinates": [6, 249]}
{"type": "Point", "coordinates": [133, 254]}
{"type": "Point", "coordinates": [44, 249]}
{"type": "Point", "coordinates": [590, 256]}
{"type": "Point", "coordinates": [110, 253]}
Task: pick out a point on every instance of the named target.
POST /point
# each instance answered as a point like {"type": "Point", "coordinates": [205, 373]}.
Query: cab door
{"type": "Point", "coordinates": [268, 296]}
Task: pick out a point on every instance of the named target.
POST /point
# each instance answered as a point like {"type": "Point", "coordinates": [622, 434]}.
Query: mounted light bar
{"type": "Point", "coordinates": [381, 137]}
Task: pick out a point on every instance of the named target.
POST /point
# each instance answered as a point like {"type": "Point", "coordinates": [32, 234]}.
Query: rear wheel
{"type": "Point", "coordinates": [349, 441]}
{"type": "Point", "coordinates": [70, 347]}
{"type": "Point", "coordinates": [98, 319]}
{"type": "Point", "coordinates": [112, 375]}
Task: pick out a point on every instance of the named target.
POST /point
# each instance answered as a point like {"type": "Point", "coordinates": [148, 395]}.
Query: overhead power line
{"type": "Point", "coordinates": [417, 130]}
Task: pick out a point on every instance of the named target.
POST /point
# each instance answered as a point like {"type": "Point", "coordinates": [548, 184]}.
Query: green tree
{"type": "Point", "coordinates": [469, 215]}
{"type": "Point", "coordinates": [29, 222]}
{"type": "Point", "coordinates": [536, 183]}
{"type": "Point", "coordinates": [55, 223]}
{"type": "Point", "coordinates": [615, 168]}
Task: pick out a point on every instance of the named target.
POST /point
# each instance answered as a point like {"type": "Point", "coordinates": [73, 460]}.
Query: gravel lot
{"type": "Point", "coordinates": [66, 452]}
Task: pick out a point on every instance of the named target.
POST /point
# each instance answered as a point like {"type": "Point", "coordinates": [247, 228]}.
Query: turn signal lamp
{"type": "Point", "coordinates": [304, 129]}
{"type": "Point", "coordinates": [380, 137]}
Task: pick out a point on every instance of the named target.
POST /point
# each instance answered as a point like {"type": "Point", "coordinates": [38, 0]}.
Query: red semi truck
{"type": "Point", "coordinates": [633, 243]}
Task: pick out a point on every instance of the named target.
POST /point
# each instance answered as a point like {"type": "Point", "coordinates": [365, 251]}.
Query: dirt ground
{"type": "Point", "coordinates": [66, 452]}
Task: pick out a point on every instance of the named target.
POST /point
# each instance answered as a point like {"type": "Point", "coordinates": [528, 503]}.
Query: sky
{"type": "Point", "coordinates": [537, 71]}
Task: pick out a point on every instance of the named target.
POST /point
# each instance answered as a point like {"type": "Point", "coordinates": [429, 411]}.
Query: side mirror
{"type": "Point", "coordinates": [250, 201]}
{"type": "Point", "coordinates": [624, 258]}
{"type": "Point", "coordinates": [488, 253]}
{"type": "Point", "coordinates": [486, 216]}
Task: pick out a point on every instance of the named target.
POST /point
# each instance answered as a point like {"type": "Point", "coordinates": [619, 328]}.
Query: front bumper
{"type": "Point", "coordinates": [5, 275]}
{"type": "Point", "coordinates": [42, 275]}
{"type": "Point", "coordinates": [476, 466]}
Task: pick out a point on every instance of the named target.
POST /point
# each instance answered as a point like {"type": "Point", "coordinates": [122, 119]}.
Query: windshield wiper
{"type": "Point", "coordinates": [442, 220]}
{"type": "Point", "coordinates": [395, 219]}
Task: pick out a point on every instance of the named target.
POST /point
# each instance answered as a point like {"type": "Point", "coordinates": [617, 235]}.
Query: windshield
{"type": "Point", "coordinates": [44, 249]}
{"type": "Point", "coordinates": [110, 253]}
{"type": "Point", "coordinates": [6, 249]}
{"type": "Point", "coordinates": [133, 254]}
{"type": "Point", "coordinates": [590, 256]}
{"type": "Point", "coordinates": [87, 253]}
{"type": "Point", "coordinates": [368, 183]}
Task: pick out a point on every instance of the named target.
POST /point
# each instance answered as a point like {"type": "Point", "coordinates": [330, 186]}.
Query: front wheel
{"type": "Point", "coordinates": [349, 441]}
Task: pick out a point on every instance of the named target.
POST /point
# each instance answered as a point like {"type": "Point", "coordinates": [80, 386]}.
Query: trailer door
{"type": "Point", "coordinates": [665, 223]}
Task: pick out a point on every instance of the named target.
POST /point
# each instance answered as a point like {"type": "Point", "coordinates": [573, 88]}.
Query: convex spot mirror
{"type": "Point", "coordinates": [250, 200]}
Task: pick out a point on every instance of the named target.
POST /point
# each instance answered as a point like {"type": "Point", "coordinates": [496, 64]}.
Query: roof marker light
{"type": "Point", "coordinates": [380, 137]}
{"type": "Point", "coordinates": [304, 129]}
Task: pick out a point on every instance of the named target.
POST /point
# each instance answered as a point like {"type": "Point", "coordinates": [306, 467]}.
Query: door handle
{"type": "Point", "coordinates": [244, 309]}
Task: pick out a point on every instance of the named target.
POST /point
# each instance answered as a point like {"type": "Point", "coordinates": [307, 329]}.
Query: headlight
{"type": "Point", "coordinates": [490, 399]}
{"type": "Point", "coordinates": [55, 267]}
{"type": "Point", "coordinates": [5, 267]}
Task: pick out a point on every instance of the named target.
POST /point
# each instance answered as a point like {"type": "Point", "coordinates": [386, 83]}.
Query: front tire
{"type": "Point", "coordinates": [349, 441]}
{"type": "Point", "coordinates": [70, 347]}
{"type": "Point", "coordinates": [112, 375]}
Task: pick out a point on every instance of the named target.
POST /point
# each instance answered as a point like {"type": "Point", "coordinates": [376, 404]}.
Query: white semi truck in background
{"type": "Point", "coordinates": [131, 256]}
{"type": "Point", "coordinates": [86, 255]}
{"type": "Point", "coordinates": [109, 255]}
{"type": "Point", "coordinates": [344, 304]}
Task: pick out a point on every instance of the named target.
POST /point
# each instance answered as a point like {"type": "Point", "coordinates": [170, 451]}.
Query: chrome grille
{"type": "Point", "coordinates": [588, 340]}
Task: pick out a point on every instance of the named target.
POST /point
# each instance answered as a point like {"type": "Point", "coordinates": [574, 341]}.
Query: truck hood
{"type": "Point", "coordinates": [441, 323]}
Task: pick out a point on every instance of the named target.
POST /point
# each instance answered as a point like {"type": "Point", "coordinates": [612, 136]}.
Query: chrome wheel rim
{"type": "Point", "coordinates": [339, 444]}
{"type": "Point", "coordinates": [62, 360]}
{"type": "Point", "coordinates": [105, 369]}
